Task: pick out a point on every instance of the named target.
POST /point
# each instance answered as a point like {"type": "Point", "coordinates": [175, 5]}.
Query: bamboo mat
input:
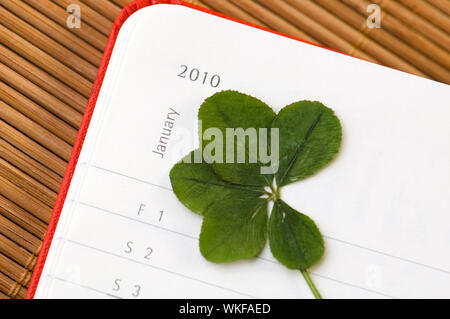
{"type": "Point", "coordinates": [47, 70]}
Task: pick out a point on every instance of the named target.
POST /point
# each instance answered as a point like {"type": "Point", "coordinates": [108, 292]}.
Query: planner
{"type": "Point", "coordinates": [383, 206]}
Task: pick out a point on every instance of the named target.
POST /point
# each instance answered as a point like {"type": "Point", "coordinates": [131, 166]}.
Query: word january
{"type": "Point", "coordinates": [168, 125]}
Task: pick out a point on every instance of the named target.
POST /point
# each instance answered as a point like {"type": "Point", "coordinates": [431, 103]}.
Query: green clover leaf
{"type": "Point", "coordinates": [231, 109]}
{"type": "Point", "coordinates": [234, 214]}
{"type": "Point", "coordinates": [294, 238]}
{"type": "Point", "coordinates": [310, 137]}
{"type": "Point", "coordinates": [198, 186]}
{"type": "Point", "coordinates": [233, 196]}
{"type": "Point", "coordinates": [229, 223]}
{"type": "Point", "coordinates": [295, 241]}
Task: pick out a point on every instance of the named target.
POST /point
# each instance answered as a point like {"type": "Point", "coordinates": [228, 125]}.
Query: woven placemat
{"type": "Point", "coordinates": [47, 69]}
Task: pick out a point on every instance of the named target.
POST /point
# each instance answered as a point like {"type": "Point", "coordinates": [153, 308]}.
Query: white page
{"type": "Point", "coordinates": [383, 205]}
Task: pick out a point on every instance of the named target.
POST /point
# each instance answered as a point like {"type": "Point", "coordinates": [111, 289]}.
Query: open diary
{"type": "Point", "coordinates": [383, 207]}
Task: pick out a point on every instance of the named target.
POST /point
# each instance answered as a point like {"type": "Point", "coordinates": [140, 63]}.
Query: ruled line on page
{"type": "Point", "coordinates": [389, 255]}
{"type": "Point", "coordinates": [158, 268]}
{"type": "Point", "coordinates": [329, 237]}
{"type": "Point", "coordinates": [131, 177]}
{"type": "Point", "coordinates": [137, 220]}
{"type": "Point", "coordinates": [196, 238]}
{"type": "Point", "coordinates": [85, 287]}
{"type": "Point", "coordinates": [336, 280]}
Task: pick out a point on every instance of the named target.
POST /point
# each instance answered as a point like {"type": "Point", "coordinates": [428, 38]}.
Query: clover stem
{"type": "Point", "coordinates": [311, 284]}
{"type": "Point", "coordinates": [267, 193]}
{"type": "Point", "coordinates": [272, 187]}
{"type": "Point", "coordinates": [275, 195]}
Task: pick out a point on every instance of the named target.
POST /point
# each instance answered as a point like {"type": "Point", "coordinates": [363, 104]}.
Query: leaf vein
{"type": "Point", "coordinates": [300, 148]}
{"type": "Point", "coordinates": [221, 185]}
{"type": "Point", "coordinates": [235, 229]}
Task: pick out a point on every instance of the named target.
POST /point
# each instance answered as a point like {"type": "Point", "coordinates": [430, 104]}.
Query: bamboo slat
{"type": "Point", "coordinates": [272, 20]}
{"type": "Point", "coordinates": [19, 235]}
{"type": "Point", "coordinates": [415, 40]}
{"type": "Point", "coordinates": [14, 271]}
{"type": "Point", "coordinates": [40, 96]}
{"type": "Point", "coordinates": [21, 217]}
{"type": "Point", "coordinates": [17, 253]}
{"type": "Point", "coordinates": [59, 15]}
{"type": "Point", "coordinates": [318, 31]}
{"type": "Point", "coordinates": [44, 61]}
{"type": "Point", "coordinates": [42, 79]}
{"type": "Point", "coordinates": [443, 5]}
{"type": "Point", "coordinates": [122, 3]}
{"type": "Point", "coordinates": [11, 288]}
{"type": "Point", "coordinates": [93, 18]}
{"type": "Point", "coordinates": [27, 184]}
{"type": "Point", "coordinates": [38, 114]}
{"type": "Point", "coordinates": [233, 11]}
{"type": "Point", "coordinates": [47, 70]}
{"type": "Point", "coordinates": [30, 166]}
{"type": "Point", "coordinates": [35, 131]}
{"type": "Point", "coordinates": [353, 36]}
{"type": "Point", "coordinates": [429, 12]}
{"type": "Point", "coordinates": [415, 21]}
{"type": "Point", "coordinates": [53, 30]}
{"type": "Point", "coordinates": [201, 3]}
{"type": "Point", "coordinates": [104, 7]}
{"type": "Point", "coordinates": [25, 200]}
{"type": "Point", "coordinates": [28, 146]}
{"type": "Point", "coordinates": [43, 42]}
{"type": "Point", "coordinates": [384, 38]}
{"type": "Point", "coordinates": [3, 296]}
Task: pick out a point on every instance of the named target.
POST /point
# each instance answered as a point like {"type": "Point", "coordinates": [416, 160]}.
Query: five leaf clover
{"type": "Point", "coordinates": [234, 197]}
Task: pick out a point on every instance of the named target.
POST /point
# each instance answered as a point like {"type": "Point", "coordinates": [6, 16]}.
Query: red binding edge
{"type": "Point", "coordinates": [123, 16]}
